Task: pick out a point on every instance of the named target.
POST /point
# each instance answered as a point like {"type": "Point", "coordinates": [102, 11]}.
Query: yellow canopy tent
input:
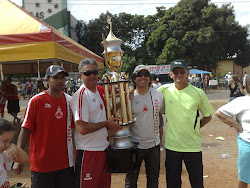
{"type": "Point", "coordinates": [29, 45]}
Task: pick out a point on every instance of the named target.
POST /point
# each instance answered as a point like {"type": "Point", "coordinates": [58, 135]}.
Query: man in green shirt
{"type": "Point", "coordinates": [183, 103]}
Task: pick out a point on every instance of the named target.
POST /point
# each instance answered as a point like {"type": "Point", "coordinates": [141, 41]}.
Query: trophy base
{"type": "Point", "coordinates": [121, 160]}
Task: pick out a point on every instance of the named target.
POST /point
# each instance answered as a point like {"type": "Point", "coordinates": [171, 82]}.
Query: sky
{"type": "Point", "coordinates": [90, 9]}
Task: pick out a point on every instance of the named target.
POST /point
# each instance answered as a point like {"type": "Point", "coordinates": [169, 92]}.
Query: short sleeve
{"type": "Point", "coordinates": [204, 105]}
{"type": "Point", "coordinates": [29, 116]}
{"type": "Point", "coordinates": [160, 89]}
{"type": "Point", "coordinates": [232, 108]}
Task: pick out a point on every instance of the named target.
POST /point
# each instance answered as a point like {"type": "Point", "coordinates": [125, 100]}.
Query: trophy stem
{"type": "Point", "coordinates": [113, 97]}
{"type": "Point", "coordinates": [106, 91]}
{"type": "Point", "coordinates": [123, 104]}
{"type": "Point", "coordinates": [129, 111]}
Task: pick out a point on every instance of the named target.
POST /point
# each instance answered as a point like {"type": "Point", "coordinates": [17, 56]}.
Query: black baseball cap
{"type": "Point", "coordinates": [178, 63]}
{"type": "Point", "coordinates": [53, 70]}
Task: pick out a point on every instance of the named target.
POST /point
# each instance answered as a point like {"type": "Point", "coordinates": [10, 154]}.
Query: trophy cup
{"type": "Point", "coordinates": [121, 156]}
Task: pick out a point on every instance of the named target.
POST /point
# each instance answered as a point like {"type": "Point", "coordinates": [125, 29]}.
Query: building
{"type": "Point", "coordinates": [229, 65]}
{"type": "Point", "coordinates": [54, 13]}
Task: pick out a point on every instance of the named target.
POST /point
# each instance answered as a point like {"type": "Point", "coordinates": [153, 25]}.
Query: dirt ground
{"type": "Point", "coordinates": [218, 172]}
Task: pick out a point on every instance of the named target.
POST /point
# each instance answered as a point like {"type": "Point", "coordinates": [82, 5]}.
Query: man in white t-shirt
{"type": "Point", "coordinates": [227, 78]}
{"type": "Point", "coordinates": [92, 128]}
{"type": "Point", "coordinates": [146, 105]}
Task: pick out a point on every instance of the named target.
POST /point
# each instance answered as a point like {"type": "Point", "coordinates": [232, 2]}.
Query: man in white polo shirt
{"type": "Point", "coordinates": [183, 102]}
{"type": "Point", "coordinates": [92, 127]}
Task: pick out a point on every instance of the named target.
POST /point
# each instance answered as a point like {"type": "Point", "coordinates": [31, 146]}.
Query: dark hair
{"type": "Point", "coordinates": [235, 78]}
{"type": "Point", "coordinates": [86, 61]}
{"type": "Point", "coordinates": [5, 126]}
{"type": "Point", "coordinates": [9, 79]}
{"type": "Point", "coordinates": [248, 85]}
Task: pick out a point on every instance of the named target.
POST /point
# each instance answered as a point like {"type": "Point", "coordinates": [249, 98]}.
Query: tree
{"type": "Point", "coordinates": [79, 29]}
{"type": "Point", "coordinates": [243, 55]}
{"type": "Point", "coordinates": [199, 32]}
{"type": "Point", "coordinates": [134, 30]}
{"type": "Point", "coordinates": [129, 64]}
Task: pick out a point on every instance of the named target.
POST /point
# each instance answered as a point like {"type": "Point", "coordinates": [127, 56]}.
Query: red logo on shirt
{"type": "Point", "coordinates": [59, 113]}
{"type": "Point", "coordinates": [145, 108]}
{"type": "Point", "coordinates": [101, 106]}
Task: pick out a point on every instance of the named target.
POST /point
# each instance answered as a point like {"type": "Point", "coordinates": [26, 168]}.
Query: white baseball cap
{"type": "Point", "coordinates": [139, 68]}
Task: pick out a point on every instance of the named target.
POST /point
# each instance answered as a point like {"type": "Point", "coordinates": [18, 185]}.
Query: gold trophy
{"type": "Point", "coordinates": [121, 157]}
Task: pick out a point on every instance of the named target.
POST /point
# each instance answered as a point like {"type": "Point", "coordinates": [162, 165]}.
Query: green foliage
{"type": "Point", "coordinates": [134, 30]}
{"type": "Point", "coordinates": [167, 56]}
{"type": "Point", "coordinates": [195, 30]}
{"type": "Point", "coordinates": [129, 64]}
{"type": "Point", "coordinates": [243, 55]}
{"type": "Point", "coordinates": [79, 29]}
{"type": "Point", "coordinates": [201, 33]}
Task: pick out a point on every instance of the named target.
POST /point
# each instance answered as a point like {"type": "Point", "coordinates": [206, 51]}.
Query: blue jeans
{"type": "Point", "coordinates": [151, 157]}
{"type": "Point", "coordinates": [226, 84]}
{"type": "Point", "coordinates": [198, 84]}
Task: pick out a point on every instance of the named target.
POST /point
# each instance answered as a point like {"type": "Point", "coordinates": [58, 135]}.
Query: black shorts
{"type": "Point", "coordinates": [13, 106]}
{"type": "Point", "coordinates": [57, 179]}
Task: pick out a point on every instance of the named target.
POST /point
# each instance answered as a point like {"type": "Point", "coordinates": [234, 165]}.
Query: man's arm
{"type": "Point", "coordinates": [21, 143]}
{"type": "Point", "coordinates": [23, 137]}
{"type": "Point", "coordinates": [241, 88]}
{"type": "Point", "coordinates": [205, 120]}
{"type": "Point", "coordinates": [86, 128]}
{"type": "Point", "coordinates": [228, 120]}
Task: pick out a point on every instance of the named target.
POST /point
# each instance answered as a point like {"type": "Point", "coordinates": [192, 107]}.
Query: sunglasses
{"type": "Point", "coordinates": [146, 74]}
{"type": "Point", "coordinates": [177, 72]}
{"type": "Point", "coordinates": [88, 73]}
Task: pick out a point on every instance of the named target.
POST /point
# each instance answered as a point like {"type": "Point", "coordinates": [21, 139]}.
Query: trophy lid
{"type": "Point", "coordinates": [111, 43]}
{"type": "Point", "coordinates": [112, 37]}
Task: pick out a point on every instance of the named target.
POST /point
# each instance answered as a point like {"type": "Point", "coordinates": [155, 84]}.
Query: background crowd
{"type": "Point", "coordinates": [92, 127]}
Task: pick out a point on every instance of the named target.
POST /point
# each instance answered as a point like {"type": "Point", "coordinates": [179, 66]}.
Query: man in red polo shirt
{"type": "Point", "coordinates": [47, 122]}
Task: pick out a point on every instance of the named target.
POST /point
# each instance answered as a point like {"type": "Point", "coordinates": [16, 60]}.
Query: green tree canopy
{"type": "Point", "coordinates": [194, 30]}
{"type": "Point", "coordinates": [201, 33]}
{"type": "Point", "coordinates": [133, 30]}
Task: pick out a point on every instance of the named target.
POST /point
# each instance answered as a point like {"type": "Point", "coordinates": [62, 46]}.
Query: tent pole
{"type": "Point", "coordinates": [71, 65]}
{"type": "Point", "coordinates": [61, 64]}
{"type": "Point", "coordinates": [38, 70]}
{"type": "Point", "coordinates": [1, 69]}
